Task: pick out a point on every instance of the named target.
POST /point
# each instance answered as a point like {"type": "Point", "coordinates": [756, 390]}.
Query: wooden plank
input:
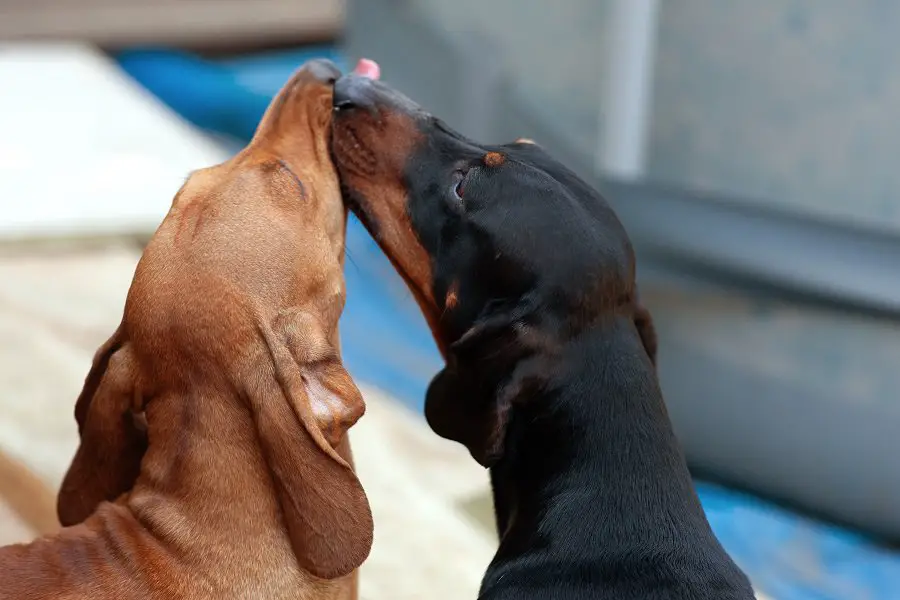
{"type": "Point", "coordinates": [31, 500]}
{"type": "Point", "coordinates": [178, 22]}
{"type": "Point", "coordinates": [13, 530]}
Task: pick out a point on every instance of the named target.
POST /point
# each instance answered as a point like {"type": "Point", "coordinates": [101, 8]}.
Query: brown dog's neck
{"type": "Point", "coordinates": [206, 498]}
{"type": "Point", "coordinates": [204, 484]}
{"type": "Point", "coordinates": [203, 453]}
{"type": "Point", "coordinates": [203, 512]}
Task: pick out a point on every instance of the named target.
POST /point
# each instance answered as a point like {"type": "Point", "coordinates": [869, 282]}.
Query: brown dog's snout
{"type": "Point", "coordinates": [305, 98]}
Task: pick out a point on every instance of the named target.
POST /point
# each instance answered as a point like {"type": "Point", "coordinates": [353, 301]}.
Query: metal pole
{"type": "Point", "coordinates": [626, 101]}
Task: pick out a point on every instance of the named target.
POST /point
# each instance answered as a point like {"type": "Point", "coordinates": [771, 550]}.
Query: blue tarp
{"type": "Point", "coordinates": [386, 344]}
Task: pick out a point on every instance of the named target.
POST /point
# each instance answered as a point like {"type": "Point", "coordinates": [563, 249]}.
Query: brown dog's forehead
{"type": "Point", "coordinates": [270, 220]}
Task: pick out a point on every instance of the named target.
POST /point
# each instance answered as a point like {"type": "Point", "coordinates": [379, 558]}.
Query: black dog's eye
{"type": "Point", "coordinates": [458, 189]}
{"type": "Point", "coordinates": [459, 183]}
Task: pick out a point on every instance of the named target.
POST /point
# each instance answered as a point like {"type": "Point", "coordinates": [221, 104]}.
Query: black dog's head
{"type": "Point", "coordinates": [507, 252]}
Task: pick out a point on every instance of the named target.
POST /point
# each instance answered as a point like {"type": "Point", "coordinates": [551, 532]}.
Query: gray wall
{"type": "Point", "coordinates": [785, 103]}
{"type": "Point", "coordinates": [793, 103]}
{"type": "Point", "coordinates": [552, 55]}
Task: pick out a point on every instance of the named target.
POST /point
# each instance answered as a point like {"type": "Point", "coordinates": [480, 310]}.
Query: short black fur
{"type": "Point", "coordinates": [551, 381]}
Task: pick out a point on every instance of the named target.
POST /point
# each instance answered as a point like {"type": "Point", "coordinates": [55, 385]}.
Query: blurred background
{"type": "Point", "coordinates": [749, 147]}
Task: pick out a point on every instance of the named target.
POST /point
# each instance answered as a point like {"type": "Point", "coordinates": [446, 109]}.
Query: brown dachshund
{"type": "Point", "coordinates": [214, 460]}
{"type": "Point", "coordinates": [527, 279]}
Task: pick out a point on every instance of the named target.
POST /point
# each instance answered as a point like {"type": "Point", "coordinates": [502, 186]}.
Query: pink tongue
{"type": "Point", "coordinates": [368, 68]}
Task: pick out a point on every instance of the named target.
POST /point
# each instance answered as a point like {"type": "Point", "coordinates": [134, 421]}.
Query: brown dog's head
{"type": "Point", "coordinates": [507, 252]}
{"type": "Point", "coordinates": [240, 290]}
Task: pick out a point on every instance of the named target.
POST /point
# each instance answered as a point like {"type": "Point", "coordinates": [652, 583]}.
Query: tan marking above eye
{"type": "Point", "coordinates": [494, 159]}
{"type": "Point", "coordinates": [526, 141]}
{"type": "Point", "coordinates": [452, 298]}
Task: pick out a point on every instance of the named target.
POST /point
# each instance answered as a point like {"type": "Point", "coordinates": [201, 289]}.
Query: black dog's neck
{"type": "Point", "coordinates": [593, 475]}
{"type": "Point", "coordinates": [600, 434]}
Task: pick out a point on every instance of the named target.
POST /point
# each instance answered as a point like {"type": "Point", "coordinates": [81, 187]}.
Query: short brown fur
{"type": "Point", "coordinates": [214, 460]}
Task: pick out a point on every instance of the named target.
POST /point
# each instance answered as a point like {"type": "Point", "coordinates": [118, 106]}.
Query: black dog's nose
{"type": "Point", "coordinates": [323, 70]}
{"type": "Point", "coordinates": [353, 91]}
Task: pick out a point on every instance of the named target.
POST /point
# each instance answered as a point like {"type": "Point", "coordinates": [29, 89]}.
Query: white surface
{"type": "Point", "coordinates": [85, 151]}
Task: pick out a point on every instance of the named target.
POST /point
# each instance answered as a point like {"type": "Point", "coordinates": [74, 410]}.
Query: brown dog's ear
{"type": "Point", "coordinates": [303, 411]}
{"type": "Point", "coordinates": [112, 445]}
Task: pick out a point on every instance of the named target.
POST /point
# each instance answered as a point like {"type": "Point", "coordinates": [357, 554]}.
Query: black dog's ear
{"type": "Point", "coordinates": [501, 322]}
{"type": "Point", "coordinates": [476, 413]}
{"type": "Point", "coordinates": [644, 324]}
{"type": "Point", "coordinates": [464, 410]}
{"type": "Point", "coordinates": [464, 401]}
{"type": "Point", "coordinates": [461, 405]}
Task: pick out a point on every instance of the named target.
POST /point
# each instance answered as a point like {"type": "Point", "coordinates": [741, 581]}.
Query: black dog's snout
{"type": "Point", "coordinates": [354, 91]}
{"type": "Point", "coordinates": [323, 70]}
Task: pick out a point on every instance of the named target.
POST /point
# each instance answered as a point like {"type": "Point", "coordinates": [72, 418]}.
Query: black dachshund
{"type": "Point", "coordinates": [527, 280]}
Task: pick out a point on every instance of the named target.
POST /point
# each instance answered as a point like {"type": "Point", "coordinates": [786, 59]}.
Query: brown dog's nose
{"type": "Point", "coordinates": [353, 91]}
{"type": "Point", "coordinates": [322, 70]}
